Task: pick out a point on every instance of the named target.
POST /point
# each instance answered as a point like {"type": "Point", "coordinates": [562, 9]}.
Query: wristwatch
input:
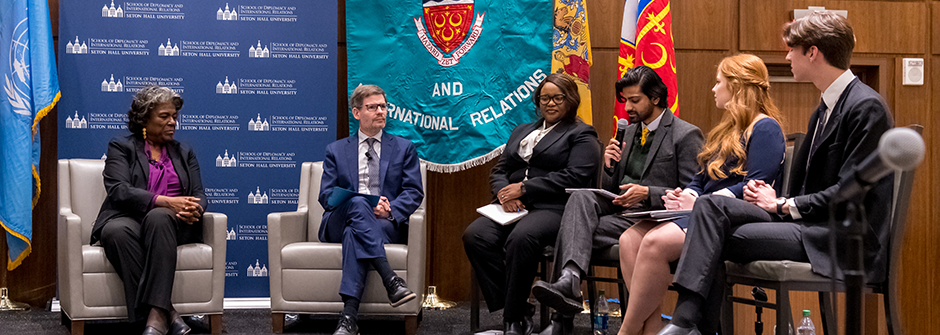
{"type": "Point", "coordinates": [780, 202]}
{"type": "Point", "coordinates": [392, 219]}
{"type": "Point", "coordinates": [522, 187]}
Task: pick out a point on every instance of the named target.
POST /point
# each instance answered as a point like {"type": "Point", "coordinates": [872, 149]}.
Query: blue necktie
{"type": "Point", "coordinates": [373, 165]}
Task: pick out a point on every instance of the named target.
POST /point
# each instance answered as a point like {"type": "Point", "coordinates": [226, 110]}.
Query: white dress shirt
{"type": "Point", "coordinates": [364, 161]}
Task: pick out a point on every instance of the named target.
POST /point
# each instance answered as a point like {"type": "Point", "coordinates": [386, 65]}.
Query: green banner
{"type": "Point", "coordinates": [459, 75]}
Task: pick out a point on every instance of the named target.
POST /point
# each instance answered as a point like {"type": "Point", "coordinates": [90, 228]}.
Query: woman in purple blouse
{"type": "Point", "coordinates": [155, 202]}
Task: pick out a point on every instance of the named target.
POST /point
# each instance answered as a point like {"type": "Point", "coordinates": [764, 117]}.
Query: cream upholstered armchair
{"type": "Point", "coordinates": [90, 289]}
{"type": "Point", "coordinates": [305, 273]}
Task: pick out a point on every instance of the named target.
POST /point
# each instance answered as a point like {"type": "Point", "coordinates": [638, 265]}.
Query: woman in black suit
{"type": "Point", "coordinates": [155, 202]}
{"type": "Point", "coordinates": [540, 160]}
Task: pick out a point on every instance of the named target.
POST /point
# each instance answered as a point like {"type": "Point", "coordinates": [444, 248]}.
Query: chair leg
{"type": "Point", "coordinates": [78, 328]}
{"type": "Point", "coordinates": [215, 324]}
{"type": "Point", "coordinates": [727, 311]}
{"type": "Point", "coordinates": [544, 318]}
{"type": "Point", "coordinates": [277, 323]}
{"type": "Point", "coordinates": [411, 324]}
{"type": "Point", "coordinates": [623, 293]}
{"type": "Point", "coordinates": [592, 293]}
{"type": "Point", "coordinates": [890, 314]}
{"type": "Point", "coordinates": [827, 314]}
{"type": "Point", "coordinates": [784, 320]}
{"type": "Point", "coordinates": [474, 303]}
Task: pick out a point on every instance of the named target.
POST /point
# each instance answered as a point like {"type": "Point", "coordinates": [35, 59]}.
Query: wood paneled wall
{"type": "Point", "coordinates": [704, 32]}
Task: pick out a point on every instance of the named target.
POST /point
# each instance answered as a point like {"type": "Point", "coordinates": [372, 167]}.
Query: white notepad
{"type": "Point", "coordinates": [496, 213]}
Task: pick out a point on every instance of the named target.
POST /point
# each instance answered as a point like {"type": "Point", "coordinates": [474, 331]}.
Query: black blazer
{"type": "Point", "coordinates": [126, 173]}
{"type": "Point", "coordinates": [671, 161]}
{"type": "Point", "coordinates": [566, 157]}
{"type": "Point", "coordinates": [855, 126]}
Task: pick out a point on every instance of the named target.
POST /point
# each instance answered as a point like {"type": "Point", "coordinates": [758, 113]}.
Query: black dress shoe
{"type": "Point", "coordinates": [672, 329]}
{"type": "Point", "coordinates": [564, 295]}
{"type": "Point", "coordinates": [517, 328]}
{"type": "Point", "coordinates": [398, 292]}
{"type": "Point", "coordinates": [346, 326]}
{"type": "Point", "coordinates": [152, 331]}
{"type": "Point", "coordinates": [178, 327]}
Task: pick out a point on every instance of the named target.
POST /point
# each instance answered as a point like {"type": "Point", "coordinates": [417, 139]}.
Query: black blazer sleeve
{"type": "Point", "coordinates": [124, 179]}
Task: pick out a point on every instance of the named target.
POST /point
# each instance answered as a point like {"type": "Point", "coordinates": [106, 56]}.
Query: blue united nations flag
{"type": "Point", "coordinates": [458, 74]}
{"type": "Point", "coordinates": [30, 90]}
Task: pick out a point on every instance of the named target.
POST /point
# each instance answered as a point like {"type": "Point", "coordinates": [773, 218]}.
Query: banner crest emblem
{"type": "Point", "coordinates": [445, 27]}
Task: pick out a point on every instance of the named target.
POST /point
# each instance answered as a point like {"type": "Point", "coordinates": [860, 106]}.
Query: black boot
{"type": "Point", "coordinates": [564, 295]}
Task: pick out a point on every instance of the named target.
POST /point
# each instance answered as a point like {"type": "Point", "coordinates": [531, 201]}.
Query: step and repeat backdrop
{"type": "Point", "coordinates": [258, 80]}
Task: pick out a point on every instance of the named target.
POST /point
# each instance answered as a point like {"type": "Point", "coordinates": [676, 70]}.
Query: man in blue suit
{"type": "Point", "coordinates": [377, 163]}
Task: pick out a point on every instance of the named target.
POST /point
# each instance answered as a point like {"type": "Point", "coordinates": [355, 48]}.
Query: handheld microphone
{"type": "Point", "coordinates": [898, 149]}
{"type": "Point", "coordinates": [368, 156]}
{"type": "Point", "coordinates": [622, 125]}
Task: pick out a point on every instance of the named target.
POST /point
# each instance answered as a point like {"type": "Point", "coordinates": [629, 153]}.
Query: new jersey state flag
{"type": "Point", "coordinates": [646, 39]}
{"type": "Point", "coordinates": [571, 49]}
{"type": "Point", "coordinates": [30, 90]}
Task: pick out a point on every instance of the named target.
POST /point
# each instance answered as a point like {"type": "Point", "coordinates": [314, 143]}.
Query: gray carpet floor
{"type": "Point", "coordinates": [258, 321]}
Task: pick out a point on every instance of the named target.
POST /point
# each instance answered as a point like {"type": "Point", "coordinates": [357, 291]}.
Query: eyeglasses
{"type": "Point", "coordinates": [558, 98]}
{"type": "Point", "coordinates": [373, 107]}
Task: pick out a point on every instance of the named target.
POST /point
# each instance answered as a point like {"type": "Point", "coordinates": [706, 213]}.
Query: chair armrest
{"type": "Point", "coordinates": [214, 232]}
{"type": "Point", "coordinates": [69, 257]}
{"type": "Point", "coordinates": [285, 228]}
{"type": "Point", "coordinates": [417, 250]}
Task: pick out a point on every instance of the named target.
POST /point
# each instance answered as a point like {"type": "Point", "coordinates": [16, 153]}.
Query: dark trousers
{"type": "Point", "coordinates": [591, 222]}
{"type": "Point", "coordinates": [144, 256]}
{"type": "Point", "coordinates": [505, 258]}
{"type": "Point", "coordinates": [363, 236]}
{"type": "Point", "coordinates": [723, 228]}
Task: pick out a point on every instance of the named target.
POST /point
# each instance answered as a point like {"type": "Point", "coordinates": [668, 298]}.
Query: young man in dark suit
{"type": "Point", "coordinates": [377, 163]}
{"type": "Point", "coordinates": [660, 155]}
{"type": "Point", "coordinates": [844, 130]}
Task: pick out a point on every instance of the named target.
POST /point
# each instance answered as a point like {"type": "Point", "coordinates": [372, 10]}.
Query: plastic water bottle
{"type": "Point", "coordinates": [806, 325]}
{"type": "Point", "coordinates": [601, 314]}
